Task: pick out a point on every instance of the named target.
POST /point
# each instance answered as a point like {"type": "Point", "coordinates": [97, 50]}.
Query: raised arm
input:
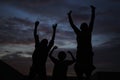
{"type": "Point", "coordinates": [36, 37]}
{"type": "Point", "coordinates": [72, 56]}
{"type": "Point", "coordinates": [54, 32]}
{"type": "Point", "coordinates": [50, 55]}
{"type": "Point", "coordinates": [53, 37]}
{"type": "Point", "coordinates": [92, 18]}
{"type": "Point", "coordinates": [76, 30]}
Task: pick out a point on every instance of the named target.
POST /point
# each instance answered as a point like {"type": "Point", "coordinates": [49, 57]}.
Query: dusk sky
{"type": "Point", "coordinates": [17, 19]}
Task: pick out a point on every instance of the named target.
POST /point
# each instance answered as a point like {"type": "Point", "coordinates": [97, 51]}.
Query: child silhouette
{"type": "Point", "coordinates": [60, 64]}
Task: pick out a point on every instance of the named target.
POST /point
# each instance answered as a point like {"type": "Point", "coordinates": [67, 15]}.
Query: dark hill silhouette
{"type": "Point", "coordinates": [9, 73]}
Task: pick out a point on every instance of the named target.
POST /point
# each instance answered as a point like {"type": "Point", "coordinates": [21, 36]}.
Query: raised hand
{"type": "Point", "coordinates": [93, 7]}
{"type": "Point", "coordinates": [55, 47]}
{"type": "Point", "coordinates": [54, 26]}
{"type": "Point", "coordinates": [71, 55]}
{"type": "Point", "coordinates": [36, 23]}
{"type": "Point", "coordinates": [69, 13]}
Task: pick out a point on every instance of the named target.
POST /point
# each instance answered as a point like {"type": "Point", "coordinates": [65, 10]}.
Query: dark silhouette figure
{"type": "Point", "coordinates": [40, 55]}
{"type": "Point", "coordinates": [84, 56]}
{"type": "Point", "coordinates": [60, 65]}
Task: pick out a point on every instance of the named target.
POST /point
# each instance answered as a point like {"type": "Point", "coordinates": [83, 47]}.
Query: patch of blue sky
{"type": "Point", "coordinates": [11, 11]}
{"type": "Point", "coordinates": [99, 39]}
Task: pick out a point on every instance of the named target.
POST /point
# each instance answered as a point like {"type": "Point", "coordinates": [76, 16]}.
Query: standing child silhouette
{"type": "Point", "coordinates": [40, 55]}
{"type": "Point", "coordinates": [84, 55]}
{"type": "Point", "coordinates": [60, 65]}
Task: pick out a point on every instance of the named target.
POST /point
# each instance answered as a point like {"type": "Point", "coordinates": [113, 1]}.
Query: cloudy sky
{"type": "Point", "coordinates": [17, 23]}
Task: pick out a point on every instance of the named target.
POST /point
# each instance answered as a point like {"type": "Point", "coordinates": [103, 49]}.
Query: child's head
{"type": "Point", "coordinates": [61, 55]}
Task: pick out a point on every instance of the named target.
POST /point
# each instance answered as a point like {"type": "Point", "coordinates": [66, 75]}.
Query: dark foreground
{"type": "Point", "coordinates": [9, 73]}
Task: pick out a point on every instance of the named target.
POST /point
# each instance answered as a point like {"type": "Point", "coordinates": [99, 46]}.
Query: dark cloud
{"type": "Point", "coordinates": [15, 30]}
{"type": "Point", "coordinates": [11, 56]}
{"type": "Point", "coordinates": [107, 21]}
{"type": "Point", "coordinates": [107, 55]}
{"type": "Point", "coordinates": [112, 43]}
{"type": "Point", "coordinates": [38, 6]}
{"type": "Point", "coordinates": [108, 52]}
{"type": "Point", "coordinates": [114, 0]}
{"type": "Point", "coordinates": [56, 11]}
{"type": "Point", "coordinates": [21, 30]}
{"type": "Point", "coordinates": [80, 18]}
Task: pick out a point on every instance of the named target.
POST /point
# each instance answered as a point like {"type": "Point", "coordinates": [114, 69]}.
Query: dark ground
{"type": "Point", "coordinates": [9, 73]}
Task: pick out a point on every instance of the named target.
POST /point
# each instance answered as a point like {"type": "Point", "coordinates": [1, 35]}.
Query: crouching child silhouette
{"type": "Point", "coordinates": [60, 65]}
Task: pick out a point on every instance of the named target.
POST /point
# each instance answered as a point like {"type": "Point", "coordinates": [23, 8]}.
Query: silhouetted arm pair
{"type": "Point", "coordinates": [76, 30]}
{"type": "Point", "coordinates": [51, 57]}
{"type": "Point", "coordinates": [92, 18]}
{"type": "Point", "coordinates": [51, 43]}
{"type": "Point", "coordinates": [91, 21]}
{"type": "Point", "coordinates": [36, 37]}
